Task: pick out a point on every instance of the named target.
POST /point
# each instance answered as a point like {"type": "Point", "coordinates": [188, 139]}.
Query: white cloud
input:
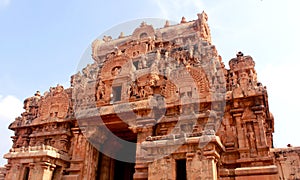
{"type": "Point", "coordinates": [4, 3]}
{"type": "Point", "coordinates": [175, 9]}
{"type": "Point", "coordinates": [282, 84]}
{"type": "Point", "coordinates": [10, 107]}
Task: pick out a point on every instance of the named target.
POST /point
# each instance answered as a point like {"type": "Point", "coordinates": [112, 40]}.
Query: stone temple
{"type": "Point", "coordinates": [158, 104]}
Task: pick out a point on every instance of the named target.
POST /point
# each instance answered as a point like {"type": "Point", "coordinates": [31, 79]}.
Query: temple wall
{"type": "Point", "coordinates": [288, 162]}
{"type": "Point", "coordinates": [2, 173]}
{"type": "Point", "coordinates": [168, 92]}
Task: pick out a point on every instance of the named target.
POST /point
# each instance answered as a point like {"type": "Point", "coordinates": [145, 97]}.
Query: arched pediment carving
{"type": "Point", "coordinates": [189, 81]}
{"type": "Point", "coordinates": [116, 72]}
{"type": "Point", "coordinates": [116, 66]}
{"type": "Point", "coordinates": [241, 63]}
{"type": "Point", "coordinates": [144, 31]}
{"type": "Point", "coordinates": [201, 80]}
{"type": "Point", "coordinates": [54, 104]}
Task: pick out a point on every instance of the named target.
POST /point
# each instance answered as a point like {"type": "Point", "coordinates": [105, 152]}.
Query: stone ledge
{"type": "Point", "coordinates": [70, 177]}
{"type": "Point", "coordinates": [287, 149]}
{"type": "Point", "coordinates": [37, 153]}
{"type": "Point", "coordinates": [254, 159]}
{"type": "Point", "coordinates": [259, 170]}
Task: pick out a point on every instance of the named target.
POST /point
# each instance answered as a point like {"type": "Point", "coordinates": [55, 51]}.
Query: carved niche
{"type": "Point", "coordinates": [116, 72]}
{"type": "Point", "coordinates": [191, 82]}
{"type": "Point", "coordinates": [54, 104]}
{"type": "Point", "coordinates": [145, 65]}
{"type": "Point", "coordinates": [144, 31]}
{"type": "Point", "coordinates": [243, 77]}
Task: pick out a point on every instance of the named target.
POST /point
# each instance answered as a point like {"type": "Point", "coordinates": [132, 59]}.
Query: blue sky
{"type": "Point", "coordinates": [41, 43]}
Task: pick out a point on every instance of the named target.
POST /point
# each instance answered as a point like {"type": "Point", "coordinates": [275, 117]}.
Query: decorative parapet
{"type": "Point", "coordinates": [54, 106]}
{"type": "Point", "coordinates": [288, 162]}
{"type": "Point", "coordinates": [37, 151]}
{"type": "Point", "coordinates": [176, 144]}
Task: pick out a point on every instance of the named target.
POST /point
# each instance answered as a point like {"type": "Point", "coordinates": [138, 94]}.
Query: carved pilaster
{"type": "Point", "coordinates": [144, 130]}
{"type": "Point", "coordinates": [13, 171]}
{"type": "Point", "coordinates": [48, 170]}
{"type": "Point", "coordinates": [76, 163]}
{"type": "Point", "coordinates": [162, 169]}
{"type": "Point", "coordinates": [237, 115]}
{"type": "Point", "coordinates": [260, 128]}
{"type": "Point", "coordinates": [203, 163]}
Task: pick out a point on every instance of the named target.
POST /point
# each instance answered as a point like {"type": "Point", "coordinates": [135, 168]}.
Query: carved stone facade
{"type": "Point", "coordinates": [2, 173]}
{"type": "Point", "coordinates": [165, 92]}
{"type": "Point", "coordinates": [288, 162]}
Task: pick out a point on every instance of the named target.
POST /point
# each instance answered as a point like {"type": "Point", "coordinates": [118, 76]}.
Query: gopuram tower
{"type": "Point", "coordinates": [158, 104]}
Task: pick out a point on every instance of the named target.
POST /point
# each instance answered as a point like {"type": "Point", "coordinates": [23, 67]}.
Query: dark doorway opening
{"type": "Point", "coordinates": [111, 169]}
{"type": "Point", "coordinates": [117, 90]}
{"type": "Point", "coordinates": [123, 170]}
{"type": "Point", "coordinates": [26, 173]}
{"type": "Point", "coordinates": [181, 169]}
{"type": "Point", "coordinates": [117, 154]}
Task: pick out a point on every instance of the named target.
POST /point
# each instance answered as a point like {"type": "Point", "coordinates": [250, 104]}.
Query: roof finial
{"type": "Point", "coordinates": [121, 35]}
{"type": "Point", "coordinates": [239, 54]}
{"type": "Point", "coordinates": [143, 24]}
{"type": "Point", "coordinates": [183, 20]}
{"type": "Point", "coordinates": [167, 24]}
{"type": "Point", "coordinates": [37, 93]}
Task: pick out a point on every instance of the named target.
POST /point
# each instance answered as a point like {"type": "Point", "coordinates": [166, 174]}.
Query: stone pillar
{"type": "Point", "coordinates": [79, 142]}
{"type": "Point", "coordinates": [107, 168]}
{"type": "Point", "coordinates": [13, 171]}
{"type": "Point", "coordinates": [48, 171]}
{"type": "Point", "coordinates": [76, 164]}
{"type": "Point", "coordinates": [189, 165]}
{"type": "Point", "coordinates": [90, 164]}
{"type": "Point", "coordinates": [164, 168]}
{"type": "Point", "coordinates": [237, 114]}
{"type": "Point", "coordinates": [43, 171]}
{"type": "Point", "coordinates": [261, 136]}
{"type": "Point", "coordinates": [211, 158]}
{"type": "Point", "coordinates": [143, 130]}
{"type": "Point", "coordinates": [31, 170]}
{"type": "Point", "coordinates": [203, 163]}
{"type": "Point", "coordinates": [211, 168]}
{"type": "Point", "coordinates": [194, 166]}
{"type": "Point", "coordinates": [281, 166]}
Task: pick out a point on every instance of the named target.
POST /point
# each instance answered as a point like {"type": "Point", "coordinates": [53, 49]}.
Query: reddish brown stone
{"type": "Point", "coordinates": [167, 92]}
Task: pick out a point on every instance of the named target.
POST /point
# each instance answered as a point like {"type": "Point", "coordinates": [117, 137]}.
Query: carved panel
{"type": "Point", "coordinates": [55, 104]}
{"type": "Point", "coordinates": [161, 169]}
{"type": "Point", "coordinates": [144, 31]}
{"type": "Point", "coordinates": [202, 27]}
{"type": "Point", "coordinates": [116, 66]}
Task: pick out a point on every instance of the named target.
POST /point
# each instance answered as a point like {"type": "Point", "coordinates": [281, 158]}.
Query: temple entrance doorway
{"type": "Point", "coordinates": [111, 169]}
{"type": "Point", "coordinates": [117, 154]}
